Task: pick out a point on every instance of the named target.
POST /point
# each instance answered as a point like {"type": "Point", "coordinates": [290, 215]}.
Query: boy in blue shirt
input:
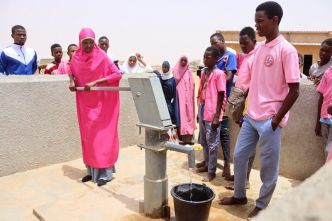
{"type": "Point", "coordinates": [226, 63]}
{"type": "Point", "coordinates": [18, 59]}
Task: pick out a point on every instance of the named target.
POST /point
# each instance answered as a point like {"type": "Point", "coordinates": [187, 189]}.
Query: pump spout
{"type": "Point", "coordinates": [183, 149]}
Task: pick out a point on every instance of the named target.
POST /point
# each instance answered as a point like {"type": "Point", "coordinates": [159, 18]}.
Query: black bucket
{"type": "Point", "coordinates": [192, 205]}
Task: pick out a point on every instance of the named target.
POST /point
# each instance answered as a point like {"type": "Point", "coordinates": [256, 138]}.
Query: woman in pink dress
{"type": "Point", "coordinates": [185, 88]}
{"type": "Point", "coordinates": [97, 111]}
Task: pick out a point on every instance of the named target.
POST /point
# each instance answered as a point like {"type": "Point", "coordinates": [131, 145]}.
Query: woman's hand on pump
{"type": "Point", "coordinates": [88, 86]}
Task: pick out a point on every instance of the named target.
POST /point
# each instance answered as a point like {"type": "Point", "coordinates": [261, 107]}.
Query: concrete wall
{"type": "Point", "coordinates": [301, 152]}
{"type": "Point", "coordinates": [310, 201]}
{"type": "Point", "coordinates": [38, 123]}
{"type": "Point", "coordinates": [39, 127]}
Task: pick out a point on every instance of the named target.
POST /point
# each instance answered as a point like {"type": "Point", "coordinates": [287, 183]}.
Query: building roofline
{"type": "Point", "coordinates": [294, 43]}
{"type": "Point", "coordinates": [287, 31]}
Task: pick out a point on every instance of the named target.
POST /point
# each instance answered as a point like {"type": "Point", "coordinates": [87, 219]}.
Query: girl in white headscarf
{"type": "Point", "coordinates": [135, 64]}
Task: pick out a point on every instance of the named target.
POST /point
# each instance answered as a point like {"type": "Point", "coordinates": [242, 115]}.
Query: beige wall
{"type": "Point", "coordinates": [39, 125]}
{"type": "Point", "coordinates": [301, 151]}
{"type": "Point", "coordinates": [311, 200]}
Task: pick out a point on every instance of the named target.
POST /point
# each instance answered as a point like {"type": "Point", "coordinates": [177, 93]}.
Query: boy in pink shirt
{"type": "Point", "coordinates": [247, 41]}
{"type": "Point", "coordinates": [273, 89]}
{"type": "Point", "coordinates": [64, 66]}
{"type": "Point", "coordinates": [211, 105]}
{"type": "Point", "coordinates": [324, 119]}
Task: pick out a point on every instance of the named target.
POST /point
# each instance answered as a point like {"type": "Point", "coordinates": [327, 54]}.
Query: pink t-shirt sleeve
{"type": "Point", "coordinates": [322, 85]}
{"type": "Point", "coordinates": [291, 67]}
{"type": "Point", "coordinates": [221, 82]}
{"type": "Point", "coordinates": [243, 80]}
{"type": "Point", "coordinates": [114, 73]}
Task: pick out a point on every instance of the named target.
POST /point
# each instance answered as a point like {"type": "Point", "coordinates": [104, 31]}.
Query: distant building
{"type": "Point", "coordinates": [306, 42]}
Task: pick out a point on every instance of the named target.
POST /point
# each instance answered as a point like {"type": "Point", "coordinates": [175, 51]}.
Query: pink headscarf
{"type": "Point", "coordinates": [179, 70]}
{"type": "Point", "coordinates": [185, 88]}
{"type": "Point", "coordinates": [90, 66]}
{"type": "Point", "coordinates": [97, 111]}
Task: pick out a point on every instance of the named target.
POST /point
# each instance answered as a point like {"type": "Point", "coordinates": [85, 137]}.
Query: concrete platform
{"type": "Point", "coordinates": [56, 193]}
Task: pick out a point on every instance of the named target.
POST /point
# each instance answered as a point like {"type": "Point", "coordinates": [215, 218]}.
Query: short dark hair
{"type": "Point", "coordinates": [219, 36]}
{"type": "Point", "coordinates": [16, 27]}
{"type": "Point", "coordinates": [248, 31]}
{"type": "Point", "coordinates": [56, 45]}
{"type": "Point", "coordinates": [103, 37]}
{"type": "Point", "coordinates": [70, 46]}
{"type": "Point", "coordinates": [271, 9]}
{"type": "Point", "coordinates": [328, 42]}
{"type": "Point", "coordinates": [215, 51]}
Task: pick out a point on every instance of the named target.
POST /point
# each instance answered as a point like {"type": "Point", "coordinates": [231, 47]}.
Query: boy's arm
{"type": "Point", "coordinates": [290, 99]}
{"type": "Point", "coordinates": [229, 75]}
{"type": "Point", "coordinates": [329, 109]}
{"type": "Point", "coordinates": [318, 130]}
{"type": "Point", "coordinates": [2, 66]}
{"type": "Point", "coordinates": [215, 122]}
{"type": "Point", "coordinates": [230, 68]}
{"type": "Point", "coordinates": [34, 65]}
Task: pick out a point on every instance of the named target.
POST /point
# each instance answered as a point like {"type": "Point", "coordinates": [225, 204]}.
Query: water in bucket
{"type": "Point", "coordinates": [192, 201]}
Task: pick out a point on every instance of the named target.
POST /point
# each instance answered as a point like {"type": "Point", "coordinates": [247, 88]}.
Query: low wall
{"type": "Point", "coordinates": [302, 151]}
{"type": "Point", "coordinates": [310, 201]}
{"type": "Point", "coordinates": [39, 127]}
{"type": "Point", "coordinates": [39, 124]}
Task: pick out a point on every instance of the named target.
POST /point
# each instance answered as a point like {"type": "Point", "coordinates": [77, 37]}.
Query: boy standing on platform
{"type": "Point", "coordinates": [274, 88]}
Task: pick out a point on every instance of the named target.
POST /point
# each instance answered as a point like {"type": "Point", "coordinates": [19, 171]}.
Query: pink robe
{"type": "Point", "coordinates": [97, 111]}
{"type": "Point", "coordinates": [185, 87]}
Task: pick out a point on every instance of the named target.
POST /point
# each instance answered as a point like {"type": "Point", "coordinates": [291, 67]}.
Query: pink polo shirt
{"type": "Point", "coordinates": [243, 80]}
{"type": "Point", "coordinates": [325, 88]}
{"type": "Point", "coordinates": [275, 65]}
{"type": "Point", "coordinates": [215, 83]}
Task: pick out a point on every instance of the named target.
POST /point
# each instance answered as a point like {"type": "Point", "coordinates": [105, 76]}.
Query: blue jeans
{"type": "Point", "coordinates": [209, 139]}
{"type": "Point", "coordinates": [225, 139]}
{"type": "Point", "coordinates": [269, 141]}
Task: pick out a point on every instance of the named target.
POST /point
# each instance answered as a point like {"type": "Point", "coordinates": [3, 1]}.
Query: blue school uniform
{"type": "Point", "coordinates": [18, 60]}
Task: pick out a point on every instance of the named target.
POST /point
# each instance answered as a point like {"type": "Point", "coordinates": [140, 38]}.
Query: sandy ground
{"type": "Point", "coordinates": [56, 193]}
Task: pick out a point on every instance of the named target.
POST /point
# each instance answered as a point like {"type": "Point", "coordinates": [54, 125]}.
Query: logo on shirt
{"type": "Point", "coordinates": [269, 61]}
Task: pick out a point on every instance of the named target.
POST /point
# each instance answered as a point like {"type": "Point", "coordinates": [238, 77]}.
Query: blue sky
{"type": "Point", "coordinates": [158, 29]}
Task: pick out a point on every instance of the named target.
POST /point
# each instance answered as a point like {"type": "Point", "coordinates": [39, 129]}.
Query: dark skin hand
{"type": "Point", "coordinates": [72, 83]}
{"type": "Point", "coordinates": [229, 75]}
{"type": "Point", "coordinates": [329, 109]}
{"type": "Point", "coordinates": [318, 129]}
{"type": "Point", "coordinates": [290, 99]}
{"type": "Point", "coordinates": [88, 86]}
{"type": "Point", "coordinates": [215, 121]}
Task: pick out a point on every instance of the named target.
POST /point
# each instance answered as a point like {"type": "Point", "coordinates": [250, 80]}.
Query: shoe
{"type": "Point", "coordinates": [86, 178]}
{"type": "Point", "coordinates": [101, 182]}
{"type": "Point", "coordinates": [201, 164]}
{"type": "Point", "coordinates": [201, 169]}
{"type": "Point", "coordinates": [254, 212]}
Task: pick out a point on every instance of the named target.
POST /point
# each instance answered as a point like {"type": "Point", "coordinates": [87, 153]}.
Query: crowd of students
{"type": "Point", "coordinates": [268, 73]}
